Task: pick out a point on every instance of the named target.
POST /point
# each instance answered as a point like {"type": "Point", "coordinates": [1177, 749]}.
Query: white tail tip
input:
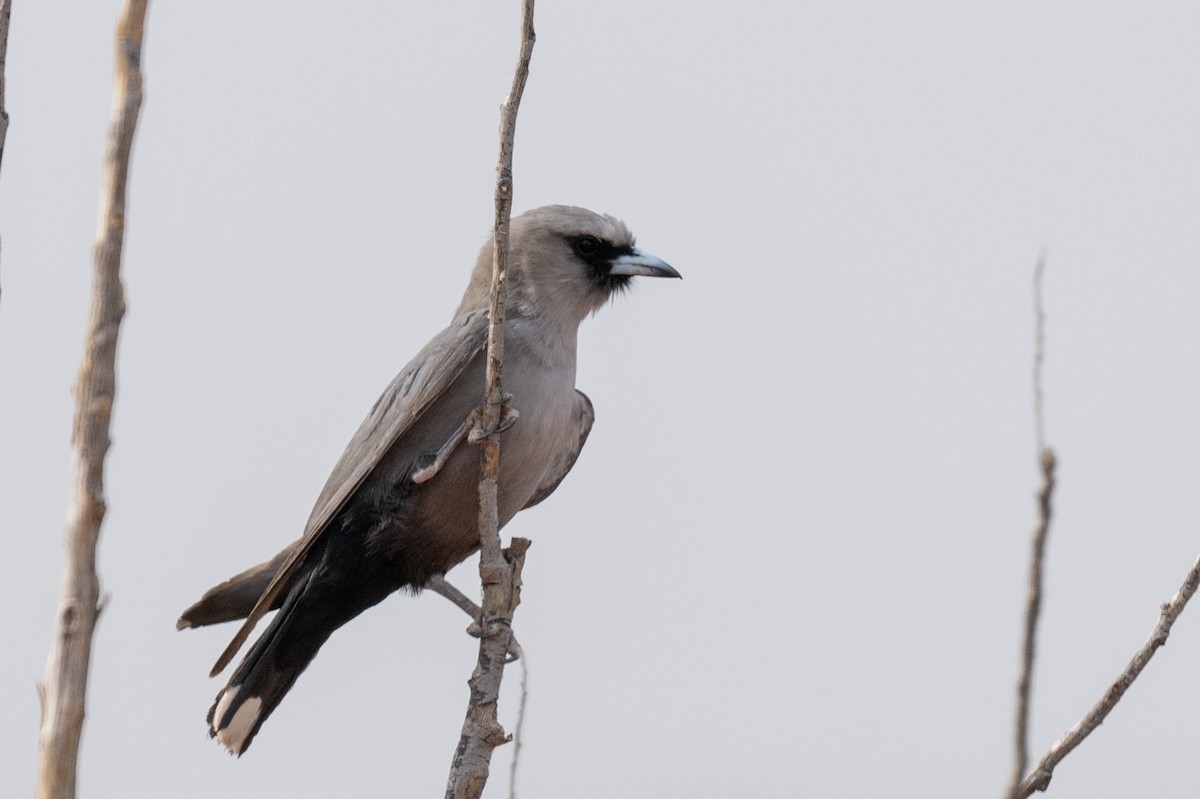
{"type": "Point", "coordinates": [234, 735]}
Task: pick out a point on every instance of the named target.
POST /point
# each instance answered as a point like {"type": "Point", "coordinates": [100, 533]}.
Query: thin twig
{"type": "Point", "coordinates": [499, 570]}
{"type": "Point", "coordinates": [1039, 350]}
{"type": "Point", "coordinates": [520, 728]}
{"type": "Point", "coordinates": [5, 16]}
{"type": "Point", "coordinates": [1033, 600]}
{"type": "Point", "coordinates": [1033, 608]}
{"type": "Point", "coordinates": [95, 389]}
{"type": "Point", "coordinates": [1039, 779]}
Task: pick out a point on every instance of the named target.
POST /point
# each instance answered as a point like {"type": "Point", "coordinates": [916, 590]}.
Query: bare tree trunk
{"type": "Point", "coordinates": [64, 695]}
{"type": "Point", "coordinates": [499, 570]}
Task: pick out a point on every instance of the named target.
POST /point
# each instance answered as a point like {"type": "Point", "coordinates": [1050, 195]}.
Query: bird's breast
{"type": "Point", "coordinates": [447, 507]}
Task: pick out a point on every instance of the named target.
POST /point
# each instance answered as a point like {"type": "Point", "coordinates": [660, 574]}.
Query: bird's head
{"type": "Point", "coordinates": [564, 261]}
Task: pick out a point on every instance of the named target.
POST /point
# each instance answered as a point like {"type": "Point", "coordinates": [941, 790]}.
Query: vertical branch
{"type": "Point", "coordinates": [1039, 351]}
{"type": "Point", "coordinates": [1032, 611]}
{"type": "Point", "coordinates": [499, 570]}
{"type": "Point", "coordinates": [5, 16]}
{"type": "Point", "coordinates": [516, 758]}
{"type": "Point", "coordinates": [1033, 602]}
{"type": "Point", "coordinates": [95, 387]}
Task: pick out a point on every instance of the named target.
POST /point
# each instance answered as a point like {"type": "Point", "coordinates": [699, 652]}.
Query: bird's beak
{"type": "Point", "coordinates": [642, 263]}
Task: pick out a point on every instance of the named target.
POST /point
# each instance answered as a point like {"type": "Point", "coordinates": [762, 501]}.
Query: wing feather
{"type": "Point", "coordinates": [404, 400]}
{"type": "Point", "coordinates": [584, 416]}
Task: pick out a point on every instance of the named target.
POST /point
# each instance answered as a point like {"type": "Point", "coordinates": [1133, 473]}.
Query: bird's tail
{"type": "Point", "coordinates": [267, 672]}
{"type": "Point", "coordinates": [234, 598]}
{"type": "Point", "coordinates": [320, 601]}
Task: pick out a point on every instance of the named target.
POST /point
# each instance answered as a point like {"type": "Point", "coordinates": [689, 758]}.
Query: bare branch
{"type": "Point", "coordinates": [517, 737]}
{"type": "Point", "coordinates": [1039, 779]}
{"type": "Point", "coordinates": [481, 731]}
{"type": "Point", "coordinates": [1039, 350]}
{"type": "Point", "coordinates": [499, 570]}
{"type": "Point", "coordinates": [5, 16]}
{"type": "Point", "coordinates": [441, 586]}
{"type": "Point", "coordinates": [95, 389]}
{"type": "Point", "coordinates": [1033, 601]}
{"type": "Point", "coordinates": [1032, 611]}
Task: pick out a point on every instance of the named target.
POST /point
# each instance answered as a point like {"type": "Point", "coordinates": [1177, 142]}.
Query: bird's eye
{"type": "Point", "coordinates": [587, 245]}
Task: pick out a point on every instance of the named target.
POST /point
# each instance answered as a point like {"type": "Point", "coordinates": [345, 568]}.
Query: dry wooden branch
{"type": "Point", "coordinates": [1039, 778]}
{"type": "Point", "coordinates": [441, 586]}
{"type": "Point", "coordinates": [5, 16]}
{"type": "Point", "coordinates": [520, 728]}
{"type": "Point", "coordinates": [499, 570]}
{"type": "Point", "coordinates": [1039, 351]}
{"type": "Point", "coordinates": [1032, 610]}
{"type": "Point", "coordinates": [65, 691]}
{"type": "Point", "coordinates": [1033, 602]}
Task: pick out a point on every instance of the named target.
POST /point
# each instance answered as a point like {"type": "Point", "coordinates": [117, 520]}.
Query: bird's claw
{"type": "Point", "coordinates": [512, 655]}
{"type": "Point", "coordinates": [508, 417]}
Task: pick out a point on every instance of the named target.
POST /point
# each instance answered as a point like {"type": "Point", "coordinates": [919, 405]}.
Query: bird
{"type": "Point", "coordinates": [401, 505]}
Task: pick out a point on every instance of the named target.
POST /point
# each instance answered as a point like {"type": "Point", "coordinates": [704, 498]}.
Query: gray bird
{"type": "Point", "coordinates": [401, 504]}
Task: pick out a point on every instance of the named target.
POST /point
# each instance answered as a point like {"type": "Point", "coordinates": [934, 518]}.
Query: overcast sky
{"type": "Point", "coordinates": [791, 559]}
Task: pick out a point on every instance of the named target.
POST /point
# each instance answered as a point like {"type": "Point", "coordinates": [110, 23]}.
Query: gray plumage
{"type": "Point", "coordinates": [401, 504]}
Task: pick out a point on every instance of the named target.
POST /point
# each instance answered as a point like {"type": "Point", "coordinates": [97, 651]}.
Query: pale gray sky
{"type": "Point", "coordinates": [791, 559]}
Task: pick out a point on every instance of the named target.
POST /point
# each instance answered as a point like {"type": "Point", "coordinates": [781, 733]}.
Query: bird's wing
{"type": "Point", "coordinates": [582, 419]}
{"type": "Point", "coordinates": [404, 400]}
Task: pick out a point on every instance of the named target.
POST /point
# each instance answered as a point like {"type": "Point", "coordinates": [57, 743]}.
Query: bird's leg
{"type": "Point", "coordinates": [428, 465]}
{"type": "Point", "coordinates": [438, 585]}
{"type": "Point", "coordinates": [472, 430]}
{"type": "Point", "coordinates": [508, 417]}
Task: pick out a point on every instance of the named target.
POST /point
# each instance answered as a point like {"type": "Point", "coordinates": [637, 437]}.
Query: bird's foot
{"type": "Point", "coordinates": [439, 585]}
{"type": "Point", "coordinates": [480, 430]}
